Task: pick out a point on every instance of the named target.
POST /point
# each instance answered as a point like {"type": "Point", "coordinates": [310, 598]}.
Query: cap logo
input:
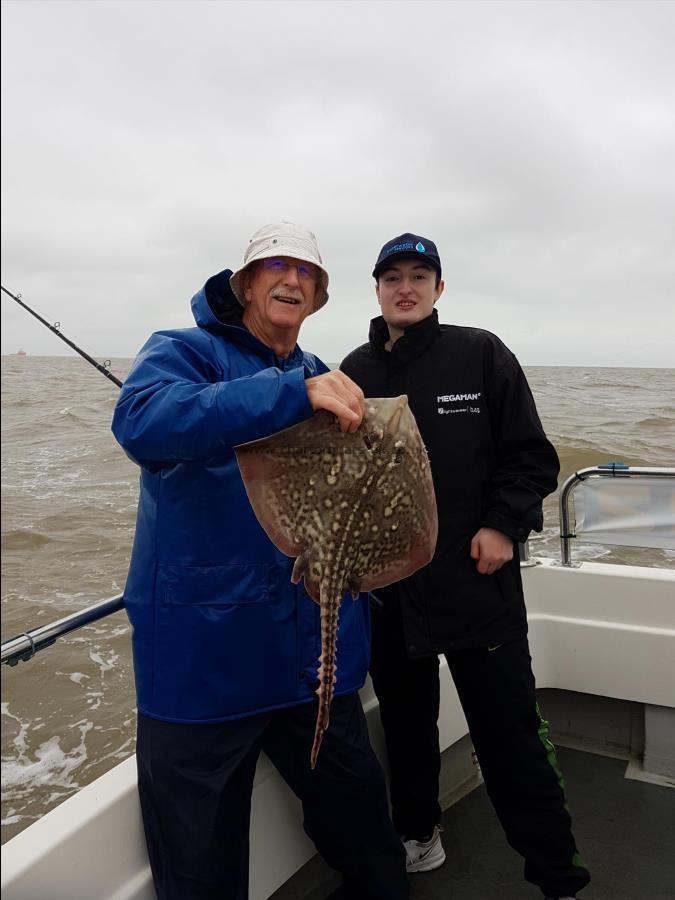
{"type": "Point", "coordinates": [420, 247]}
{"type": "Point", "coordinates": [399, 248]}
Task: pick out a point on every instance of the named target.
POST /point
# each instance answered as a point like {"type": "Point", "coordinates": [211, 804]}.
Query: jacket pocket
{"type": "Point", "coordinates": [230, 585]}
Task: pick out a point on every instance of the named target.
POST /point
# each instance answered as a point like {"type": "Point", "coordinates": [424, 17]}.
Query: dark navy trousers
{"type": "Point", "coordinates": [497, 691]}
{"type": "Point", "coordinates": [195, 784]}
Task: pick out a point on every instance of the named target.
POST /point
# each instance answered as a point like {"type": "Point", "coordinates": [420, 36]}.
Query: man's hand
{"type": "Point", "coordinates": [338, 394]}
{"type": "Point", "coordinates": [491, 549]}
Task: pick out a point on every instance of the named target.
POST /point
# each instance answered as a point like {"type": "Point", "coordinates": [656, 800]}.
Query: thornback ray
{"type": "Point", "coordinates": [358, 511]}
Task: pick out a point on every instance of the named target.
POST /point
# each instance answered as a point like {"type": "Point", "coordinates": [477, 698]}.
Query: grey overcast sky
{"type": "Point", "coordinates": [144, 142]}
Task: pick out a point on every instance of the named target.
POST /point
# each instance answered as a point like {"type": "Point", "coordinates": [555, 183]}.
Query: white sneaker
{"type": "Point", "coordinates": [424, 857]}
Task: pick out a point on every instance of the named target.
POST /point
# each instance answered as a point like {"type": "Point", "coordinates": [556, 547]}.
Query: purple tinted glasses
{"type": "Point", "coordinates": [306, 271]}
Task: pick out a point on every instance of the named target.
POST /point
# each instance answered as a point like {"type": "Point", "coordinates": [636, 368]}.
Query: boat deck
{"type": "Point", "coordinates": [625, 831]}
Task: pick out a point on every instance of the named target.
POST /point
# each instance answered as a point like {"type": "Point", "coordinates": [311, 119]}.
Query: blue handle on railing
{"type": "Point", "coordinates": [613, 466]}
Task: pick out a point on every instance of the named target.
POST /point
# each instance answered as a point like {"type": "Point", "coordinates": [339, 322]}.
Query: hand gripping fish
{"type": "Point", "coordinates": [357, 510]}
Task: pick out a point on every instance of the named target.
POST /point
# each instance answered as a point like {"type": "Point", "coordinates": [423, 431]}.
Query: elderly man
{"type": "Point", "coordinates": [225, 646]}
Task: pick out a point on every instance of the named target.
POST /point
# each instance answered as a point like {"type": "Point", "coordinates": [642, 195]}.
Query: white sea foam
{"type": "Point", "coordinates": [19, 742]}
{"type": "Point", "coordinates": [94, 699]}
{"type": "Point", "coordinates": [119, 631]}
{"type": "Point", "coordinates": [11, 820]}
{"type": "Point", "coordinates": [103, 664]}
{"type": "Point", "coordinates": [119, 754]}
{"type": "Point", "coordinates": [52, 766]}
{"type": "Point", "coordinates": [591, 551]}
{"type": "Point", "coordinates": [69, 598]}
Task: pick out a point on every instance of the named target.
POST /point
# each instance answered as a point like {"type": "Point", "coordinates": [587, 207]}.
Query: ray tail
{"type": "Point", "coordinates": [330, 611]}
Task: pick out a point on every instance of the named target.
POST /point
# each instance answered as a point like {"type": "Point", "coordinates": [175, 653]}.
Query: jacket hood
{"type": "Point", "coordinates": [215, 305]}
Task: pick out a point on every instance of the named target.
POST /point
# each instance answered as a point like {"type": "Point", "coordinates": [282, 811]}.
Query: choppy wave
{"type": "Point", "coordinates": [23, 539]}
{"type": "Point", "coordinates": [656, 422]}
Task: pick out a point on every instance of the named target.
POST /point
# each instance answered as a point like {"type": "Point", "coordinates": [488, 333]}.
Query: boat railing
{"type": "Point", "coordinates": [24, 646]}
{"type": "Point", "coordinates": [595, 529]}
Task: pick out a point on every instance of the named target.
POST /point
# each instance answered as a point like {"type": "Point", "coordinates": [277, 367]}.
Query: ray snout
{"type": "Point", "coordinates": [396, 420]}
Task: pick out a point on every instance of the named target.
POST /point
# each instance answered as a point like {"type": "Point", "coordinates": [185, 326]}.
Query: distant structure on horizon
{"type": "Point", "coordinates": [21, 353]}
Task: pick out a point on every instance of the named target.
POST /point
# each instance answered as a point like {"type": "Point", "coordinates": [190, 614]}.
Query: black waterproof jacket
{"type": "Point", "coordinates": [492, 466]}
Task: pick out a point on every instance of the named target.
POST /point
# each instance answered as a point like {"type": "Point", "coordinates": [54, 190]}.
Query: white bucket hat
{"type": "Point", "coordinates": [283, 239]}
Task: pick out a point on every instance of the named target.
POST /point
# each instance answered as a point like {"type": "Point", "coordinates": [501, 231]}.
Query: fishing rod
{"type": "Point", "coordinates": [103, 368]}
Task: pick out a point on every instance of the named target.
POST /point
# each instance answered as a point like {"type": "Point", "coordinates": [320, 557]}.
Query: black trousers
{"type": "Point", "coordinates": [497, 692]}
{"type": "Point", "coordinates": [195, 784]}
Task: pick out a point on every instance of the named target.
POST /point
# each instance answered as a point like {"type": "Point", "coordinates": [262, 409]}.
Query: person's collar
{"type": "Point", "coordinates": [411, 344]}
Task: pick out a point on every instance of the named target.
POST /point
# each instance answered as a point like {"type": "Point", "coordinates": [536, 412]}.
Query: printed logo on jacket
{"type": "Point", "coordinates": [466, 403]}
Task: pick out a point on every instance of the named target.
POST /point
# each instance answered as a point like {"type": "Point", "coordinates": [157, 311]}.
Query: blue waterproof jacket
{"type": "Point", "coordinates": [219, 631]}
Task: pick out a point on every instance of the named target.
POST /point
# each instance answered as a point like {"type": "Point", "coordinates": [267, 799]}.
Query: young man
{"type": "Point", "coordinates": [225, 646]}
{"type": "Point", "coordinates": [492, 466]}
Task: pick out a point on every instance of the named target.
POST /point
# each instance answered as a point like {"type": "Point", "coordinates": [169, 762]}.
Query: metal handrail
{"type": "Point", "coordinates": [607, 470]}
{"type": "Point", "coordinates": [24, 646]}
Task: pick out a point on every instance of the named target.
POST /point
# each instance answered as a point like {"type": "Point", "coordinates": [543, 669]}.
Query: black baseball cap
{"type": "Point", "coordinates": [408, 246]}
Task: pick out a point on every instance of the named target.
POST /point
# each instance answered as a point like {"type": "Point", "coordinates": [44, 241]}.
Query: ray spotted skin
{"type": "Point", "coordinates": [357, 510]}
